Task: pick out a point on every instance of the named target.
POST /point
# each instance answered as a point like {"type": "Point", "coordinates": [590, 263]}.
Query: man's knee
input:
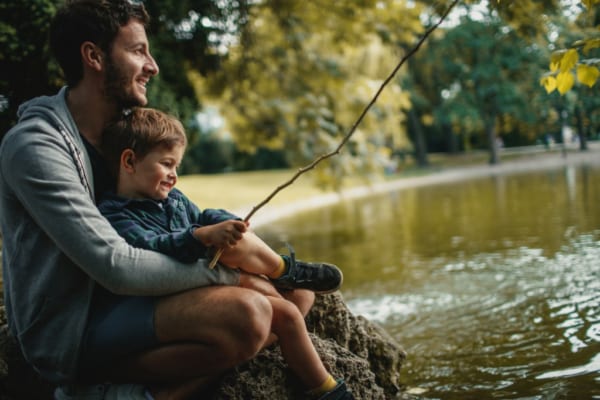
{"type": "Point", "coordinates": [252, 325]}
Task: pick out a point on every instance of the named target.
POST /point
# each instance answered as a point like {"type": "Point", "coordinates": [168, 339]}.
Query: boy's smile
{"type": "Point", "coordinates": [153, 176]}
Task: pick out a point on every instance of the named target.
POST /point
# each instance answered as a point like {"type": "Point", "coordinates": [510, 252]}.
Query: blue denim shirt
{"type": "Point", "coordinates": [165, 225]}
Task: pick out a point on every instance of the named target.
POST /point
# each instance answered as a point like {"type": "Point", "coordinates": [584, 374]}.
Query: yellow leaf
{"type": "Point", "coordinates": [590, 44]}
{"type": "Point", "coordinates": [555, 59]}
{"type": "Point", "coordinates": [590, 3]}
{"type": "Point", "coordinates": [587, 74]}
{"type": "Point", "coordinates": [565, 81]}
{"type": "Point", "coordinates": [569, 60]}
{"type": "Point", "coordinates": [549, 83]}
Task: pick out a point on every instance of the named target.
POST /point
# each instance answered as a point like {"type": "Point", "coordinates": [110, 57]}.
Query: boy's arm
{"type": "Point", "coordinates": [212, 216]}
{"type": "Point", "coordinates": [208, 216]}
{"type": "Point", "coordinates": [180, 245]}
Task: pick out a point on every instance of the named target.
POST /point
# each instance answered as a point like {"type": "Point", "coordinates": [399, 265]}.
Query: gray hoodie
{"type": "Point", "coordinates": [57, 246]}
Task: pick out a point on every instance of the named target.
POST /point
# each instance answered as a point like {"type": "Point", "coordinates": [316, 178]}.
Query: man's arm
{"type": "Point", "coordinates": [39, 169]}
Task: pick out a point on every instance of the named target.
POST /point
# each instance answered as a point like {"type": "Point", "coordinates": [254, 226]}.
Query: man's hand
{"type": "Point", "coordinates": [225, 234]}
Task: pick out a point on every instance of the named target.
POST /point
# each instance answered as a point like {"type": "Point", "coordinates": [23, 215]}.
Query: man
{"type": "Point", "coordinates": [63, 264]}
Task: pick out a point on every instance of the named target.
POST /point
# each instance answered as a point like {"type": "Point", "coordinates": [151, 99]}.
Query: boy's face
{"type": "Point", "coordinates": [153, 176]}
{"type": "Point", "coordinates": [129, 67]}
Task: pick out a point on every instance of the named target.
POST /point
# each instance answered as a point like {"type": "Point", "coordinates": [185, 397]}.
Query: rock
{"type": "Point", "coordinates": [330, 318]}
{"type": "Point", "coordinates": [351, 347]}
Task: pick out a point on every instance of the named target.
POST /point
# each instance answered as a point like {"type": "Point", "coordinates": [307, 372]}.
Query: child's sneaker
{"type": "Point", "coordinates": [340, 392]}
{"type": "Point", "coordinates": [318, 277]}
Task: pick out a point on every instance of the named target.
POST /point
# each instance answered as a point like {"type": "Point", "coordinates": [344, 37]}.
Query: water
{"type": "Point", "coordinates": [491, 285]}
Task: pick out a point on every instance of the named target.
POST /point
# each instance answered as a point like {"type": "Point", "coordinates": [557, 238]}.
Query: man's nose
{"type": "Point", "coordinates": [151, 66]}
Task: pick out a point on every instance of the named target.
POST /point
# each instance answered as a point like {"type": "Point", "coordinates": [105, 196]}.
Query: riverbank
{"type": "Point", "coordinates": [248, 189]}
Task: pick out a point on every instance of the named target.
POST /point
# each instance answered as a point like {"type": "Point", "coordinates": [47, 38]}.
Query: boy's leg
{"type": "Point", "coordinates": [296, 346]}
{"type": "Point", "coordinates": [253, 255]}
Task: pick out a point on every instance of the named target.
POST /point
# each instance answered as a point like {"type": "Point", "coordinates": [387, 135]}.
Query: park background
{"type": "Point", "coordinates": [265, 87]}
{"type": "Point", "coordinates": [274, 84]}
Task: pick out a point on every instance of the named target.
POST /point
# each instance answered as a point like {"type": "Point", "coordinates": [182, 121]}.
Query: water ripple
{"type": "Point", "coordinates": [501, 321]}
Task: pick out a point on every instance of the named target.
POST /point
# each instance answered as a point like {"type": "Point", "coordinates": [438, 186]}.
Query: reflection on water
{"type": "Point", "coordinates": [491, 285]}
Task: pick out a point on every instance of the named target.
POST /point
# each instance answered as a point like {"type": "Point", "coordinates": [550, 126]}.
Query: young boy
{"type": "Point", "coordinates": [144, 149]}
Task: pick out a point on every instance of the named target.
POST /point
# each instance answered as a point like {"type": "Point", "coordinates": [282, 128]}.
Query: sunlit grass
{"type": "Point", "coordinates": [242, 190]}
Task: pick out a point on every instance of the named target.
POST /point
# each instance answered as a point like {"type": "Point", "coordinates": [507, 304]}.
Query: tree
{"type": "Point", "coordinates": [184, 36]}
{"type": "Point", "coordinates": [482, 78]}
{"type": "Point", "coordinates": [304, 70]}
{"type": "Point", "coordinates": [24, 60]}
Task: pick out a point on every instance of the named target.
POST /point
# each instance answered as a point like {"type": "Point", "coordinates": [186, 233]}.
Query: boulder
{"type": "Point", "coordinates": [351, 347]}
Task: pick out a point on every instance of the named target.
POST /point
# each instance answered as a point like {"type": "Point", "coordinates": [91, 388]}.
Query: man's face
{"type": "Point", "coordinates": [129, 67]}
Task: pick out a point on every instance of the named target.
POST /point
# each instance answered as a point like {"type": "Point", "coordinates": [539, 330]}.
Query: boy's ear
{"type": "Point", "coordinates": [128, 160]}
{"type": "Point", "coordinates": [92, 56]}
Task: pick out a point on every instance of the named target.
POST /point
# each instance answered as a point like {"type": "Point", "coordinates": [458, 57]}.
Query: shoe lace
{"type": "Point", "coordinates": [292, 255]}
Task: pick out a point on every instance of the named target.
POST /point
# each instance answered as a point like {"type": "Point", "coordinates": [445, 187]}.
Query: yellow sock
{"type": "Point", "coordinates": [327, 386]}
{"type": "Point", "coordinates": [280, 269]}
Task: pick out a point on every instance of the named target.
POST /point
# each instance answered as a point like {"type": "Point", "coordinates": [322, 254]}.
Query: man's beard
{"type": "Point", "coordinates": [116, 84]}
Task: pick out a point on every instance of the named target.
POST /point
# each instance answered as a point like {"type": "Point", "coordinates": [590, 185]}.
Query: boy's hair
{"type": "Point", "coordinates": [96, 21]}
{"type": "Point", "coordinates": [141, 130]}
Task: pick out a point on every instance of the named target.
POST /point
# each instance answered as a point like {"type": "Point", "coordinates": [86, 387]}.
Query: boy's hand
{"type": "Point", "coordinates": [222, 235]}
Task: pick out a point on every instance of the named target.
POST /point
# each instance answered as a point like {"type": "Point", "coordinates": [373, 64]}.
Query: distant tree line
{"type": "Point", "coordinates": [289, 78]}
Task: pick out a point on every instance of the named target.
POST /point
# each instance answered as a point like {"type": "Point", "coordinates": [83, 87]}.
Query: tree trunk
{"type": "Point", "coordinates": [493, 141]}
{"type": "Point", "coordinates": [452, 142]}
{"type": "Point", "coordinates": [419, 139]}
{"type": "Point", "coordinates": [580, 129]}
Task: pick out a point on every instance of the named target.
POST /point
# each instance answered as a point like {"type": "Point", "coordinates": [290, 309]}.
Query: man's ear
{"type": "Point", "coordinates": [128, 160]}
{"type": "Point", "coordinates": [92, 56]}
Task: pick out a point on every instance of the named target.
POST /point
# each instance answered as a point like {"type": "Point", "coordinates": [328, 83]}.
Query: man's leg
{"type": "Point", "coordinates": [195, 329]}
{"type": "Point", "coordinates": [201, 332]}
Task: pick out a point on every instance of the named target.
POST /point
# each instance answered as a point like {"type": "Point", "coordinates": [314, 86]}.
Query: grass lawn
{"type": "Point", "coordinates": [242, 190]}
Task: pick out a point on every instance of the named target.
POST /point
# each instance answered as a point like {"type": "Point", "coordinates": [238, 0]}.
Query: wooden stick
{"type": "Point", "coordinates": [348, 135]}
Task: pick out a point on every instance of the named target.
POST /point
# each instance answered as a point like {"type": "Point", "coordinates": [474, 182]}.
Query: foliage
{"type": "Point", "coordinates": [578, 62]}
{"type": "Point", "coordinates": [303, 72]}
{"type": "Point", "coordinates": [24, 60]}
{"type": "Point", "coordinates": [478, 77]}
{"type": "Point", "coordinates": [183, 36]}
{"type": "Point", "coordinates": [291, 76]}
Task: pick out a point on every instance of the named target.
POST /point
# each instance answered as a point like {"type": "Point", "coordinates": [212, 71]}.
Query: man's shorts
{"type": "Point", "coordinates": [118, 326]}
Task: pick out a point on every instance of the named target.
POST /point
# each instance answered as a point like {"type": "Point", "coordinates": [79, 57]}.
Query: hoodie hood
{"type": "Point", "coordinates": [52, 109]}
{"type": "Point", "coordinates": [45, 113]}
